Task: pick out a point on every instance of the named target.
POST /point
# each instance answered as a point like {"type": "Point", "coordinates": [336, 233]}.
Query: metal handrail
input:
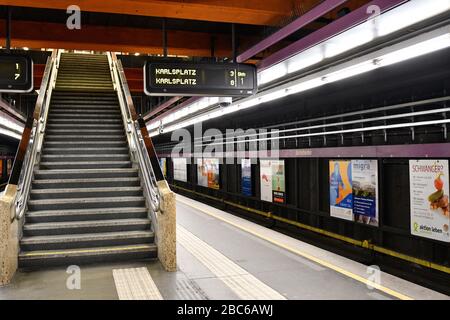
{"type": "Point", "coordinates": [37, 133]}
{"type": "Point", "coordinates": [135, 138]}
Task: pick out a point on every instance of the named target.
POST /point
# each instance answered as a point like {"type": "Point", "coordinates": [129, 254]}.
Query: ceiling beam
{"type": "Point", "coordinates": [100, 38]}
{"type": "Point", "coordinates": [254, 12]}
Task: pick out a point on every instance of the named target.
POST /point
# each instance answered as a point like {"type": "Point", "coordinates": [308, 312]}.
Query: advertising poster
{"type": "Point", "coordinates": [163, 165]}
{"type": "Point", "coordinates": [266, 180]}
{"type": "Point", "coordinates": [180, 169]}
{"type": "Point", "coordinates": [272, 177]}
{"type": "Point", "coordinates": [246, 177]}
{"type": "Point", "coordinates": [365, 191]}
{"type": "Point", "coordinates": [278, 185]}
{"type": "Point", "coordinates": [212, 167]}
{"type": "Point", "coordinates": [202, 174]}
{"type": "Point", "coordinates": [429, 180]}
{"type": "Point", "coordinates": [341, 194]}
{"type": "Point", "coordinates": [208, 174]}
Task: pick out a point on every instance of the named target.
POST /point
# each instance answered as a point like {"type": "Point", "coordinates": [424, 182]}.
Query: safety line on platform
{"type": "Point", "coordinates": [304, 254]}
{"type": "Point", "coordinates": [363, 244]}
{"type": "Point", "coordinates": [241, 282]}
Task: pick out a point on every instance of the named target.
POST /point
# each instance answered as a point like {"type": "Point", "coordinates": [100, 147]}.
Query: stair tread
{"type": "Point", "coordinates": [38, 254]}
{"type": "Point", "coordinates": [79, 190]}
{"type": "Point", "coordinates": [88, 223]}
{"type": "Point", "coordinates": [85, 211]}
{"type": "Point", "coordinates": [87, 171]}
{"type": "Point", "coordinates": [87, 180]}
{"type": "Point", "coordinates": [87, 236]}
{"type": "Point", "coordinates": [81, 155]}
{"type": "Point", "coordinates": [82, 142]}
{"type": "Point", "coordinates": [87, 200]}
{"type": "Point", "coordinates": [83, 162]}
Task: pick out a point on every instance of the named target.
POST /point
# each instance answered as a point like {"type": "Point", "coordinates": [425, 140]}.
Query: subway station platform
{"type": "Point", "coordinates": [223, 257]}
{"type": "Point", "coordinates": [276, 150]}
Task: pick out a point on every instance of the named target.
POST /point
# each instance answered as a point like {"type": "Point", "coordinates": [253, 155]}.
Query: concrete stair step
{"type": "Point", "coordinates": [85, 240]}
{"type": "Point", "coordinates": [85, 165]}
{"type": "Point", "coordinates": [84, 89]}
{"type": "Point", "coordinates": [87, 76]}
{"type": "Point", "coordinates": [84, 131]}
{"type": "Point", "coordinates": [92, 120]}
{"type": "Point", "coordinates": [86, 173]}
{"type": "Point", "coordinates": [83, 227]}
{"type": "Point", "coordinates": [54, 137]}
{"type": "Point", "coordinates": [73, 126]}
{"type": "Point", "coordinates": [75, 151]}
{"type": "Point", "coordinates": [85, 183]}
{"type": "Point", "coordinates": [89, 192]}
{"type": "Point", "coordinates": [56, 112]}
{"type": "Point", "coordinates": [95, 157]}
{"type": "Point", "coordinates": [88, 115]}
{"type": "Point", "coordinates": [84, 157]}
{"type": "Point", "coordinates": [86, 214]}
{"type": "Point", "coordinates": [85, 108]}
{"type": "Point", "coordinates": [86, 203]}
{"type": "Point", "coordinates": [82, 256]}
{"type": "Point", "coordinates": [85, 144]}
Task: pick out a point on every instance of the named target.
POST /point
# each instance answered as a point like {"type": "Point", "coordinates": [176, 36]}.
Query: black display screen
{"type": "Point", "coordinates": [199, 79]}
{"type": "Point", "coordinates": [16, 73]}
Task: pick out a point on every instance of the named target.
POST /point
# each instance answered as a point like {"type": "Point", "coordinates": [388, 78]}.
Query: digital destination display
{"type": "Point", "coordinates": [199, 79]}
{"type": "Point", "coordinates": [16, 73]}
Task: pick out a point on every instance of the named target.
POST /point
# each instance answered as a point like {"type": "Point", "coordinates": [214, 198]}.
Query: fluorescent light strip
{"type": "Point", "coordinates": [375, 128]}
{"type": "Point", "coordinates": [241, 139]}
{"type": "Point", "coordinates": [10, 133]}
{"type": "Point", "coordinates": [187, 110]}
{"type": "Point", "coordinates": [393, 20]}
{"type": "Point", "coordinates": [379, 59]}
{"type": "Point", "coordinates": [7, 123]}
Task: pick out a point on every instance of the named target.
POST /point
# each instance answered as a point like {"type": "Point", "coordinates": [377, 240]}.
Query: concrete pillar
{"type": "Point", "coordinates": [166, 230]}
{"type": "Point", "coordinates": [9, 236]}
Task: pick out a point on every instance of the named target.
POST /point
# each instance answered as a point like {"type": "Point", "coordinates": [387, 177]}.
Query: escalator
{"type": "Point", "coordinates": [86, 199]}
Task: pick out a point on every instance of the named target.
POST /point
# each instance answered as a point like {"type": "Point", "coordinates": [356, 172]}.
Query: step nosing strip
{"type": "Point", "coordinates": [65, 252]}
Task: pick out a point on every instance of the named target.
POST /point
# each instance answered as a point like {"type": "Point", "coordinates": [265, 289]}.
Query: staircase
{"type": "Point", "coordinates": [86, 203]}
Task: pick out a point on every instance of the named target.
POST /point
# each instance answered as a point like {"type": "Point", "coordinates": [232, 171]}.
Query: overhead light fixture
{"type": "Point", "coordinates": [423, 44]}
{"type": "Point", "coordinates": [10, 125]}
{"type": "Point", "coordinates": [393, 20]}
{"type": "Point", "coordinates": [189, 109]}
{"type": "Point", "coordinates": [10, 134]}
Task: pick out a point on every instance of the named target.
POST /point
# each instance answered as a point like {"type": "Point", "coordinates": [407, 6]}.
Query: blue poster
{"type": "Point", "coordinates": [246, 180]}
{"type": "Point", "coordinates": [365, 191]}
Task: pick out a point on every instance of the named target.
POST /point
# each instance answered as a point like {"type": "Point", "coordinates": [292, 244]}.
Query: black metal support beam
{"type": "Point", "coordinates": [164, 30]}
{"type": "Point", "coordinates": [233, 41]}
{"type": "Point", "coordinates": [8, 28]}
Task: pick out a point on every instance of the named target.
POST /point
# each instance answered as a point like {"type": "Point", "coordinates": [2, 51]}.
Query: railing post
{"type": "Point", "coordinates": [9, 235]}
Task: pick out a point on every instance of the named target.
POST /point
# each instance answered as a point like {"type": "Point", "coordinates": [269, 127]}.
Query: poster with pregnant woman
{"type": "Point", "coordinates": [429, 190]}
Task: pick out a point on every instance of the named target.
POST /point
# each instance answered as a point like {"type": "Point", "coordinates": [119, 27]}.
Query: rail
{"type": "Point", "coordinates": [141, 147]}
{"type": "Point", "coordinates": [32, 137]}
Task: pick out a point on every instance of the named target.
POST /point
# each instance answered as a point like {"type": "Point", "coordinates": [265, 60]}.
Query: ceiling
{"type": "Point", "coordinates": [194, 27]}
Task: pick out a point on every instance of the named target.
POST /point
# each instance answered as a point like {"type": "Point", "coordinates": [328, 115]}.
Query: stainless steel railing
{"type": "Point", "coordinates": [34, 146]}
{"type": "Point", "coordinates": [135, 137]}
